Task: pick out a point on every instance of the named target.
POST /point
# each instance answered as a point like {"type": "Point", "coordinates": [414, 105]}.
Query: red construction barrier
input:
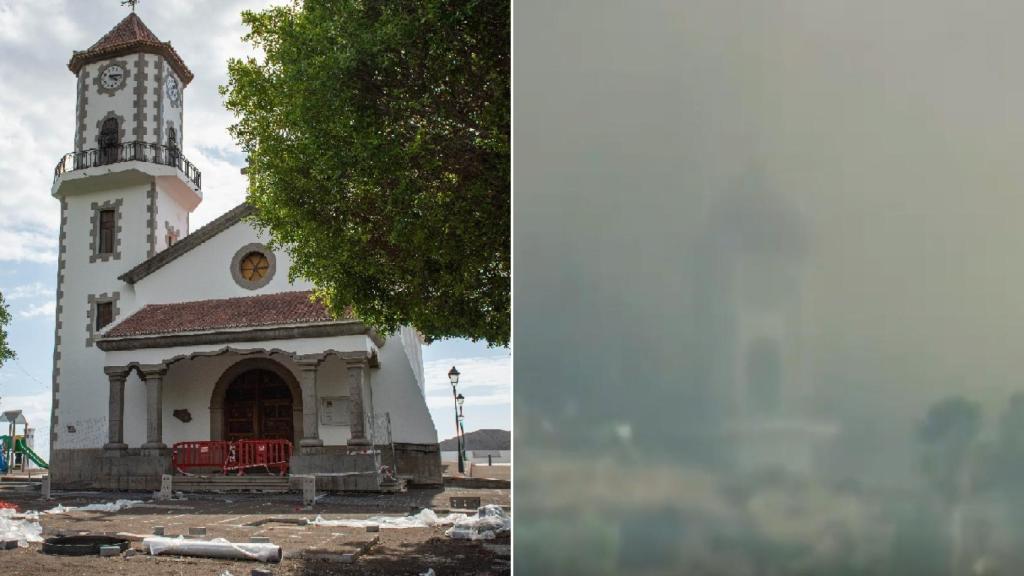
{"type": "Point", "coordinates": [261, 454]}
{"type": "Point", "coordinates": [200, 454]}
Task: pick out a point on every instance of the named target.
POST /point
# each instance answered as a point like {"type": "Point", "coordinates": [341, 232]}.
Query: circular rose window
{"type": "Point", "coordinates": [253, 266]}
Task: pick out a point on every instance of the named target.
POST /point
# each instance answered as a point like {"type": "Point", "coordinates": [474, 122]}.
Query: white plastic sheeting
{"type": "Point", "coordinates": [485, 524]}
{"type": "Point", "coordinates": [104, 507]}
{"type": "Point", "coordinates": [24, 530]}
{"type": "Point", "coordinates": [216, 548]}
{"type": "Point", "coordinates": [488, 521]}
{"type": "Point", "coordinates": [424, 519]}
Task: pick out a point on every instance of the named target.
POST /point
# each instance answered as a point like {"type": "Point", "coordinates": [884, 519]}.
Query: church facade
{"type": "Point", "coordinates": [166, 334]}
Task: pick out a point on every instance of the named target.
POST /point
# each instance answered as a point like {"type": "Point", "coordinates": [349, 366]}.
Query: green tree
{"type": "Point", "coordinates": [378, 136]}
{"type": "Point", "coordinates": [6, 353]}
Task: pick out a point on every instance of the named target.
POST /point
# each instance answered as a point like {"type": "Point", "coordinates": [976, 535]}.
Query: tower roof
{"type": "Point", "coordinates": [131, 35]}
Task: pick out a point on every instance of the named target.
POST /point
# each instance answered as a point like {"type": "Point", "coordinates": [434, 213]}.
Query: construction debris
{"type": "Point", "coordinates": [488, 521]}
{"type": "Point", "coordinates": [104, 507]}
{"type": "Point", "coordinates": [216, 548]}
{"type": "Point", "coordinates": [424, 519]}
{"type": "Point", "coordinates": [23, 530]}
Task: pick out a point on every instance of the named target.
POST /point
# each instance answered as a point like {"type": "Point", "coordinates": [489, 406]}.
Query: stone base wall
{"type": "Point", "coordinates": [138, 469]}
{"type": "Point", "coordinates": [421, 463]}
{"type": "Point", "coordinates": [99, 469]}
{"type": "Point", "coordinates": [329, 460]}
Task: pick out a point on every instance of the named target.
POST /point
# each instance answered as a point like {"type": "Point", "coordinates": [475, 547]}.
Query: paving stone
{"type": "Point", "coordinates": [158, 530]}
{"type": "Point", "coordinates": [197, 530]}
{"type": "Point", "coordinates": [373, 528]}
{"type": "Point", "coordinates": [260, 540]}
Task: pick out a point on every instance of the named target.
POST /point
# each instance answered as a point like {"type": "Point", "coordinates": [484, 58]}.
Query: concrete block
{"type": "Point", "coordinates": [8, 544]}
{"type": "Point", "coordinates": [46, 488]}
{"type": "Point", "coordinates": [130, 552]}
{"type": "Point", "coordinates": [308, 490]}
{"type": "Point", "coordinates": [158, 531]}
{"type": "Point", "coordinates": [260, 572]}
{"type": "Point", "coordinates": [259, 540]}
{"type": "Point", "coordinates": [110, 550]}
{"type": "Point", "coordinates": [197, 530]}
{"type": "Point", "coordinates": [165, 487]}
{"type": "Point", "coordinates": [373, 528]}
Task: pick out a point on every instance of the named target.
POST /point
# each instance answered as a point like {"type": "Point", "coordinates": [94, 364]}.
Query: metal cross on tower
{"type": "Point", "coordinates": [131, 3]}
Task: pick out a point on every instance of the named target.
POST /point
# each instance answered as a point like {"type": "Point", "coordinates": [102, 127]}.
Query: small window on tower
{"type": "Point", "coordinates": [106, 232]}
{"type": "Point", "coordinates": [104, 314]}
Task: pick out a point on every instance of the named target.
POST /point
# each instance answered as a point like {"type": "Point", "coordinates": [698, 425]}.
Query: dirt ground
{"type": "Point", "coordinates": [231, 516]}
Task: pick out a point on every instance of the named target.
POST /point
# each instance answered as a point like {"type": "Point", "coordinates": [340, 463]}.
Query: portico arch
{"type": "Point", "coordinates": [237, 369]}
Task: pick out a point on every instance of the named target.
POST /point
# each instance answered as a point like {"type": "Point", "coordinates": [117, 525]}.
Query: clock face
{"type": "Point", "coordinates": [112, 76]}
{"type": "Point", "coordinates": [173, 90]}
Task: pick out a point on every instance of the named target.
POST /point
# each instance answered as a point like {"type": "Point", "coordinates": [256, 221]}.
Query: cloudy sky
{"type": "Point", "coordinates": [37, 100]}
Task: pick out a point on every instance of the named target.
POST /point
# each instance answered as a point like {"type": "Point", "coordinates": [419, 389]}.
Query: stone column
{"type": "Point", "coordinates": [308, 369]}
{"type": "Point", "coordinates": [115, 407]}
{"type": "Point", "coordinates": [154, 377]}
{"type": "Point", "coordinates": [357, 380]}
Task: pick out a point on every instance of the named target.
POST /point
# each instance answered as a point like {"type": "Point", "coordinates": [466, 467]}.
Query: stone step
{"type": "Point", "coordinates": [230, 483]}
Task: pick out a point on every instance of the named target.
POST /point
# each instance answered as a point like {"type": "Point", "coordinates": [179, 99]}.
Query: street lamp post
{"type": "Point", "coordinates": [462, 424]}
{"type": "Point", "coordinates": [453, 377]}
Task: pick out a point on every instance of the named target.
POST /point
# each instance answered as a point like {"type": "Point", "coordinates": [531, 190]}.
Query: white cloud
{"type": "Point", "coordinates": [484, 381]}
{"type": "Point", "coordinates": [24, 291]}
{"type": "Point", "coordinates": [44, 309]}
{"type": "Point", "coordinates": [28, 245]}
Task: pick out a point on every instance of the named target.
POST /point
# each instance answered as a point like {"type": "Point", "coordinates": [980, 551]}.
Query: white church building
{"type": "Point", "coordinates": [166, 334]}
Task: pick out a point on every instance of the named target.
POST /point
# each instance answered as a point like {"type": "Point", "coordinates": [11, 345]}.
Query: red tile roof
{"type": "Point", "coordinates": [129, 36]}
{"type": "Point", "coordinates": [281, 309]}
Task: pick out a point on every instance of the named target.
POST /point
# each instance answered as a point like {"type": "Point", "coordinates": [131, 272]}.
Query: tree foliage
{"type": "Point", "coordinates": [6, 353]}
{"type": "Point", "coordinates": [378, 135]}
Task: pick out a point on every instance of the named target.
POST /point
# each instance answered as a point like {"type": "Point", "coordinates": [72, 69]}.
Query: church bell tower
{"type": "Point", "coordinates": [126, 191]}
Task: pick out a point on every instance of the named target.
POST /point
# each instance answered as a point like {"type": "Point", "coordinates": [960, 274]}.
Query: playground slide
{"type": "Point", "coordinates": [20, 446]}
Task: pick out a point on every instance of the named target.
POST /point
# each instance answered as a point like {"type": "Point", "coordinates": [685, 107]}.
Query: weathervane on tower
{"type": "Point", "coordinates": [131, 3]}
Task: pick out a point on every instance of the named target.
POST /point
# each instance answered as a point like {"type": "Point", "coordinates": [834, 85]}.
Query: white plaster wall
{"type": "Point", "coordinates": [212, 263]}
{"type": "Point", "coordinates": [134, 411]}
{"type": "Point", "coordinates": [83, 387]}
{"type": "Point", "coordinates": [396, 391]}
{"type": "Point", "coordinates": [189, 385]}
{"type": "Point", "coordinates": [332, 380]}
{"type": "Point", "coordinates": [413, 349]}
{"type": "Point", "coordinates": [170, 211]}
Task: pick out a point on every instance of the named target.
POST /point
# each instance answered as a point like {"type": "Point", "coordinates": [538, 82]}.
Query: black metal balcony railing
{"type": "Point", "coordinates": [128, 152]}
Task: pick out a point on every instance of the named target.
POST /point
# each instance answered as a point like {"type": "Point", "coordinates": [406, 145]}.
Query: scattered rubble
{"type": "Point", "coordinates": [488, 521]}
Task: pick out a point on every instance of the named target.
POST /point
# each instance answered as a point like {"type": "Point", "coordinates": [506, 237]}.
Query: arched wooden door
{"type": "Point", "coordinates": [258, 404]}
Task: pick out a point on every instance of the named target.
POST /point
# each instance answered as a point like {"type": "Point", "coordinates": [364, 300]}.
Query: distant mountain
{"type": "Point", "coordinates": [489, 439]}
